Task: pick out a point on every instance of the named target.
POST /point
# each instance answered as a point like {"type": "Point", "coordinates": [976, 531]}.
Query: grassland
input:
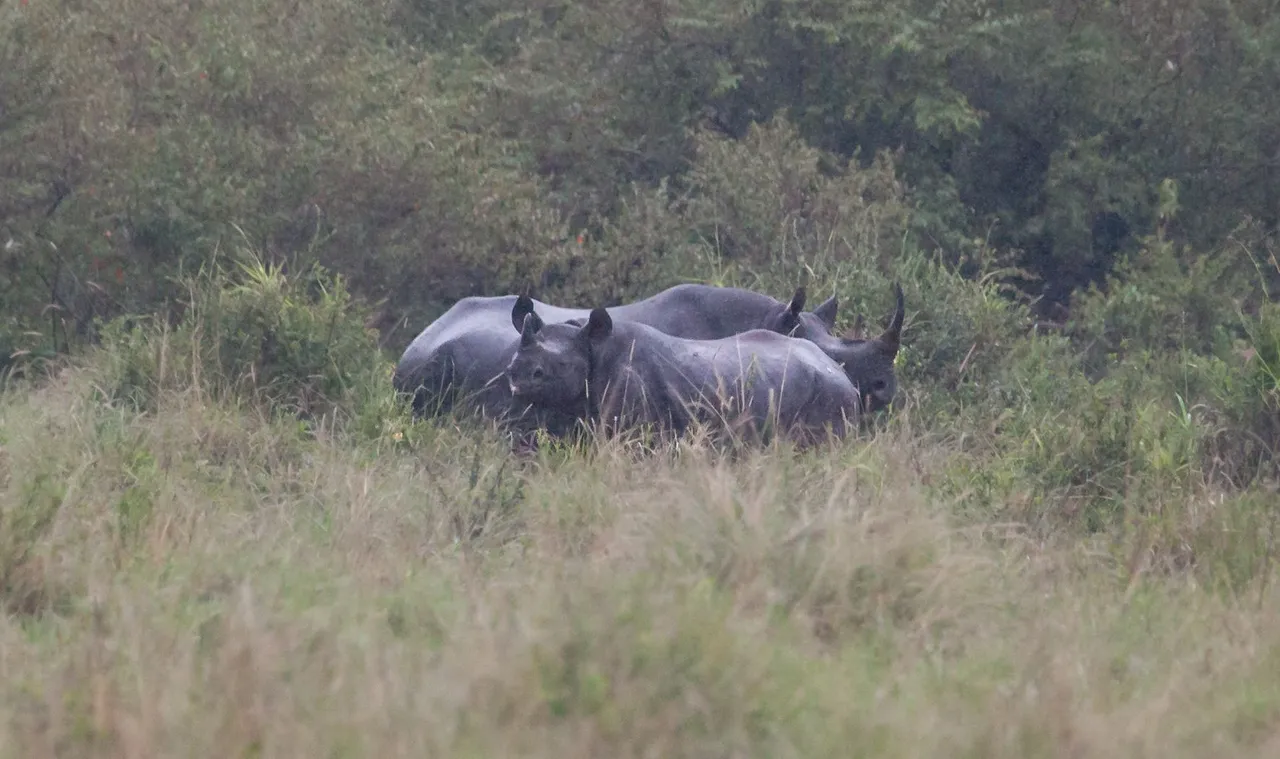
{"type": "Point", "coordinates": [221, 537]}
{"type": "Point", "coordinates": [203, 578]}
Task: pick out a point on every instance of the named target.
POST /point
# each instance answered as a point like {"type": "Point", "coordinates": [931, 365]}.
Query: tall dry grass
{"type": "Point", "coordinates": [200, 580]}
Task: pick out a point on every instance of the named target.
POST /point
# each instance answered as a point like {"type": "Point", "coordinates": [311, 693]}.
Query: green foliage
{"type": "Point", "coordinates": [1264, 353]}
{"type": "Point", "coordinates": [1161, 300]}
{"type": "Point", "coordinates": [430, 150]}
{"type": "Point", "coordinates": [767, 198]}
{"type": "Point", "coordinates": [313, 135]}
{"type": "Point", "coordinates": [297, 343]}
{"type": "Point", "coordinates": [26, 520]}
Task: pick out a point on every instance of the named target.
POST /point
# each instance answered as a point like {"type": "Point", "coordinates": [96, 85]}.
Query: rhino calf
{"type": "Point", "coordinates": [627, 374]}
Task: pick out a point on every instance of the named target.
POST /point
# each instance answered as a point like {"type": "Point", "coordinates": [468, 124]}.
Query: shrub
{"type": "Point", "coordinates": [772, 197]}
{"type": "Point", "coordinates": [295, 342]}
{"type": "Point", "coordinates": [1165, 302]}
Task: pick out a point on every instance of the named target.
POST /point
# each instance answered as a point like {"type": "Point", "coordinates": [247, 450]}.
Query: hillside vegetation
{"type": "Point", "coordinates": [221, 535]}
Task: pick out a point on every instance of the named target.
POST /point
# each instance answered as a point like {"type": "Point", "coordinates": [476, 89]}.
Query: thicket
{"type": "Point", "coordinates": [430, 150]}
{"type": "Point", "coordinates": [986, 154]}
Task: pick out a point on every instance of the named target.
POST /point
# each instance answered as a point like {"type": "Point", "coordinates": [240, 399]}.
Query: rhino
{"type": "Point", "coordinates": [464, 352]}
{"type": "Point", "coordinates": [868, 362]}
{"type": "Point", "coordinates": [624, 375]}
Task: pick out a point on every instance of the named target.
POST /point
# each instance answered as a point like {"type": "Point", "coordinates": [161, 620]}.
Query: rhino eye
{"type": "Point", "coordinates": [877, 386]}
{"type": "Point", "coordinates": [537, 372]}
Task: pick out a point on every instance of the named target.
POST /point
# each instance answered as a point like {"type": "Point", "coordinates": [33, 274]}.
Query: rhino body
{"type": "Point", "coordinates": [463, 353]}
{"type": "Point", "coordinates": [624, 375]}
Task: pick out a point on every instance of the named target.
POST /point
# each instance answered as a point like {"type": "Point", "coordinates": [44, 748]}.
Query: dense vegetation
{"type": "Point", "coordinates": [221, 221]}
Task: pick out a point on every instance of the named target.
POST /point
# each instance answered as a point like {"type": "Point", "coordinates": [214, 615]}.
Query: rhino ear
{"type": "Point", "coordinates": [797, 302]}
{"type": "Point", "coordinates": [529, 330]}
{"type": "Point", "coordinates": [523, 306]}
{"type": "Point", "coordinates": [826, 312]}
{"type": "Point", "coordinates": [788, 319]}
{"type": "Point", "coordinates": [599, 325]}
{"type": "Point", "coordinates": [892, 336]}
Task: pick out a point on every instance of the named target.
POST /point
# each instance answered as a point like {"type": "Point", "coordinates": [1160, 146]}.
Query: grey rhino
{"type": "Point", "coordinates": [465, 350]}
{"type": "Point", "coordinates": [624, 374]}
{"type": "Point", "coordinates": [869, 362]}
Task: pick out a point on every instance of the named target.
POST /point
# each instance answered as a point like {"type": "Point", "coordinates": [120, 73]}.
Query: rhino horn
{"type": "Point", "coordinates": [892, 336]}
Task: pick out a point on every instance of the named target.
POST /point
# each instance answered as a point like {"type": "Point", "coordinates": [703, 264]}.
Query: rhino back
{"type": "Point", "coordinates": [476, 328]}
{"type": "Point", "coordinates": [650, 376]}
{"type": "Point", "coordinates": [699, 312]}
{"type": "Point", "coordinates": [470, 344]}
{"type": "Point", "coordinates": [693, 311]}
{"type": "Point", "coordinates": [769, 361]}
{"type": "Point", "coordinates": [766, 374]}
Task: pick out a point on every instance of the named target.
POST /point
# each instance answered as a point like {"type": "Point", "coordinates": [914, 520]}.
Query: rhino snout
{"type": "Point", "coordinates": [879, 396]}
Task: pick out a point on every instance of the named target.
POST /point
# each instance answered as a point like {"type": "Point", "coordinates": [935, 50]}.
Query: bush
{"type": "Point", "coordinates": [294, 342]}
{"type": "Point", "coordinates": [128, 159]}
